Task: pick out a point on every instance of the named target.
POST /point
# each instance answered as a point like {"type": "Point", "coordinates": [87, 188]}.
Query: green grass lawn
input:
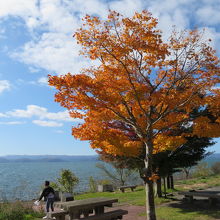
{"type": "Point", "coordinates": [168, 213]}
{"type": "Point", "coordinates": [134, 198]}
{"type": "Point", "coordinates": [198, 183]}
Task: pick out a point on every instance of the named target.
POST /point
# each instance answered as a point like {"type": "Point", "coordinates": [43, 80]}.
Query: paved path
{"type": "Point", "coordinates": [133, 212]}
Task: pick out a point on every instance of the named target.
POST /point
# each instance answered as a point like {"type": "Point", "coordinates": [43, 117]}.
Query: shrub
{"type": "Point", "coordinates": [215, 168]}
{"type": "Point", "coordinates": [17, 211]}
{"type": "Point", "coordinates": [104, 182]}
{"type": "Point", "coordinates": [118, 174]}
{"type": "Point", "coordinates": [202, 170]}
{"type": "Point", "coordinates": [55, 186]}
{"type": "Point", "coordinates": [92, 184]}
{"type": "Point", "coordinates": [66, 182]}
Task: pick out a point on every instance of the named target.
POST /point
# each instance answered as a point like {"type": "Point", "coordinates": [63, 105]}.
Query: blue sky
{"type": "Point", "coordinates": [36, 40]}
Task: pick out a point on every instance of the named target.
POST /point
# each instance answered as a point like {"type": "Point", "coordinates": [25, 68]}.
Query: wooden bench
{"type": "Point", "coordinates": [112, 215]}
{"type": "Point", "coordinates": [80, 209]}
{"type": "Point", "coordinates": [122, 188]}
{"type": "Point", "coordinates": [59, 215]}
{"type": "Point", "coordinates": [212, 196]}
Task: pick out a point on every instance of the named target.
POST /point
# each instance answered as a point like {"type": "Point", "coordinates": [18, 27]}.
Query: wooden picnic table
{"type": "Point", "coordinates": [78, 207]}
{"type": "Point", "coordinates": [212, 196]}
{"type": "Point", "coordinates": [132, 187]}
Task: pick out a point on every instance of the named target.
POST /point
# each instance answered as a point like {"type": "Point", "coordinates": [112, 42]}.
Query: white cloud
{"type": "Point", "coordinates": [211, 33]}
{"type": "Point", "coordinates": [127, 7]}
{"type": "Point", "coordinates": [41, 113]}
{"type": "Point", "coordinates": [55, 52]}
{"type": "Point", "coordinates": [3, 115]}
{"type": "Point", "coordinates": [209, 14]}
{"type": "Point", "coordinates": [12, 123]}
{"type": "Point", "coordinates": [34, 70]}
{"type": "Point", "coordinates": [4, 85]}
{"type": "Point", "coordinates": [43, 81]}
{"type": "Point", "coordinates": [56, 16]}
{"type": "Point", "coordinates": [2, 33]}
{"type": "Point", "coordinates": [92, 7]}
{"type": "Point", "coordinates": [47, 123]}
{"type": "Point", "coordinates": [43, 117]}
{"type": "Point", "coordinates": [23, 8]}
{"type": "Point", "coordinates": [171, 13]}
{"type": "Point", "coordinates": [59, 131]}
{"type": "Point", "coordinates": [52, 23]}
{"type": "Point", "coordinates": [60, 116]}
{"type": "Point", "coordinates": [32, 110]}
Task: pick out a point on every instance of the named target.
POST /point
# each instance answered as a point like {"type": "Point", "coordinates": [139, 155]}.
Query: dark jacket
{"type": "Point", "coordinates": [47, 192]}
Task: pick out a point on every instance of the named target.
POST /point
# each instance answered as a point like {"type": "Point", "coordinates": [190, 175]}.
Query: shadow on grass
{"type": "Point", "coordinates": [200, 207]}
{"type": "Point", "coordinates": [138, 189]}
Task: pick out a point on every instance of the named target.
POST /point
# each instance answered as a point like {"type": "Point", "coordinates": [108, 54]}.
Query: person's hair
{"type": "Point", "coordinates": [47, 183]}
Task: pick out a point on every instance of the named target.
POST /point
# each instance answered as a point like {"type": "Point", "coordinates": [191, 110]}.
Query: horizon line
{"type": "Point", "coordinates": [48, 155]}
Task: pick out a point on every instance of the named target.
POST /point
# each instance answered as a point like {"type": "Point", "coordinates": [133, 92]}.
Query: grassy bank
{"type": "Point", "coordinates": [18, 211]}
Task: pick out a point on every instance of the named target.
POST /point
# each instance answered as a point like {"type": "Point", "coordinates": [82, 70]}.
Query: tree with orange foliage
{"type": "Point", "coordinates": [149, 85]}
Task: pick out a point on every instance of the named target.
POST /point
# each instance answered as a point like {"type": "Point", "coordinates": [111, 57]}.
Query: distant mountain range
{"type": "Point", "coordinates": [66, 158]}
{"type": "Point", "coordinates": [45, 158]}
{"type": "Point", "coordinates": [213, 158]}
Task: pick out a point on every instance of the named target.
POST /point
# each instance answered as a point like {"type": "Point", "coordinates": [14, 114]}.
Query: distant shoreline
{"type": "Point", "coordinates": [45, 158]}
{"type": "Point", "coordinates": [69, 158]}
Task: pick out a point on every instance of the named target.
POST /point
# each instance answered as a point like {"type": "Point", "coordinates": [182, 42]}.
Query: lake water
{"type": "Point", "coordinates": [24, 180]}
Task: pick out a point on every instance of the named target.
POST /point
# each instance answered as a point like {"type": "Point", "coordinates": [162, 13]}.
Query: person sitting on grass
{"type": "Point", "coordinates": [49, 195]}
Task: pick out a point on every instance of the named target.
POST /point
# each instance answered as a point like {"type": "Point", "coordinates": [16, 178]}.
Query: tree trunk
{"type": "Point", "coordinates": [168, 182]}
{"type": "Point", "coordinates": [159, 188]}
{"type": "Point", "coordinates": [186, 171]}
{"type": "Point", "coordinates": [164, 185]}
{"type": "Point", "coordinates": [171, 182]}
{"type": "Point", "coordinates": [155, 189]}
{"type": "Point", "coordinates": [150, 206]}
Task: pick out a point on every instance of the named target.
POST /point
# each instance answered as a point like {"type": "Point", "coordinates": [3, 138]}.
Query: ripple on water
{"type": "Point", "coordinates": [24, 180]}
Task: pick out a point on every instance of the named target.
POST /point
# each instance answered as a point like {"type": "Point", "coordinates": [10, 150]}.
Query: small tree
{"type": "Point", "coordinates": [67, 181]}
{"type": "Point", "coordinates": [202, 170]}
{"type": "Point", "coordinates": [92, 185]}
{"type": "Point", "coordinates": [186, 171]}
{"type": "Point", "coordinates": [215, 168]}
{"type": "Point", "coordinates": [119, 176]}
